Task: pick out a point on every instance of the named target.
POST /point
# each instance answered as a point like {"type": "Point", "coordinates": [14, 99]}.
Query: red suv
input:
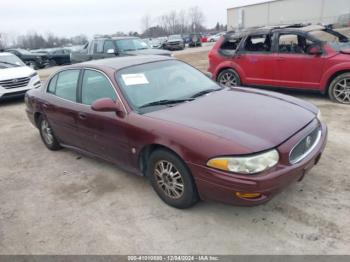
{"type": "Point", "coordinates": [296, 57]}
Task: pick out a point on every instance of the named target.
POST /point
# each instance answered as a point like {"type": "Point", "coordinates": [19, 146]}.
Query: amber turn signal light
{"type": "Point", "coordinates": [248, 195]}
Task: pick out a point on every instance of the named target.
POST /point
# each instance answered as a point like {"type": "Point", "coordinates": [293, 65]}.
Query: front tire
{"type": "Point", "coordinates": [47, 135]}
{"type": "Point", "coordinates": [339, 89]}
{"type": "Point", "coordinates": [229, 78]}
{"type": "Point", "coordinates": [171, 179]}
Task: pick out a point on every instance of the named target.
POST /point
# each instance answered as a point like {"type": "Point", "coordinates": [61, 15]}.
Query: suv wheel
{"type": "Point", "coordinates": [339, 89]}
{"type": "Point", "coordinates": [229, 78]}
{"type": "Point", "coordinates": [171, 179]}
{"type": "Point", "coordinates": [47, 135]}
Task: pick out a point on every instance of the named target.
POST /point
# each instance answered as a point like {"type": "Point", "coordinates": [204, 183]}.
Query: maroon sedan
{"type": "Point", "coordinates": [193, 139]}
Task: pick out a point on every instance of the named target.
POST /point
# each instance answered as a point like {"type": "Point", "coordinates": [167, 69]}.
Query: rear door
{"type": "Point", "coordinates": [257, 60]}
{"type": "Point", "coordinates": [103, 133]}
{"type": "Point", "coordinates": [297, 68]}
{"type": "Point", "coordinates": [60, 106]}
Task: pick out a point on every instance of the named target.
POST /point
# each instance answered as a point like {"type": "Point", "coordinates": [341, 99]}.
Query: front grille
{"type": "Point", "coordinates": [174, 43]}
{"type": "Point", "coordinates": [15, 83]}
{"type": "Point", "coordinates": [305, 146]}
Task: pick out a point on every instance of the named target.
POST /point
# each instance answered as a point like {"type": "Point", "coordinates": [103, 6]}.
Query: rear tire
{"type": "Point", "coordinates": [171, 179]}
{"type": "Point", "coordinates": [47, 135]}
{"type": "Point", "coordinates": [339, 89]}
{"type": "Point", "coordinates": [229, 78]}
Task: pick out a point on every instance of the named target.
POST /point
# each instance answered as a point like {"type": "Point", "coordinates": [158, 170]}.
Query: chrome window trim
{"type": "Point", "coordinates": [303, 156]}
{"type": "Point", "coordinates": [75, 102]}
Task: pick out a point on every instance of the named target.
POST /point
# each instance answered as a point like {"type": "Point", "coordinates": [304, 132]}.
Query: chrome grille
{"type": "Point", "coordinates": [14, 83]}
{"type": "Point", "coordinates": [305, 146]}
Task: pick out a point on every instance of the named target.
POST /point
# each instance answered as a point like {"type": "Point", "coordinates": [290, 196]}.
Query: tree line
{"type": "Point", "coordinates": [177, 22]}
{"type": "Point", "coordinates": [37, 41]}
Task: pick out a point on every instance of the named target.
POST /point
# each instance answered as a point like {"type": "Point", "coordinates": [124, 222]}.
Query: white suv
{"type": "Point", "coordinates": [15, 77]}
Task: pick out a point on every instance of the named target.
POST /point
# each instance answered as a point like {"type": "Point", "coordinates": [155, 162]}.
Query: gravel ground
{"type": "Point", "coordinates": [64, 203]}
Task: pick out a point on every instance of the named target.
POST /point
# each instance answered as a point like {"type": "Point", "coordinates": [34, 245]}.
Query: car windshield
{"type": "Point", "coordinates": [163, 83]}
{"type": "Point", "coordinates": [10, 61]}
{"type": "Point", "coordinates": [175, 37]}
{"type": "Point", "coordinates": [131, 44]}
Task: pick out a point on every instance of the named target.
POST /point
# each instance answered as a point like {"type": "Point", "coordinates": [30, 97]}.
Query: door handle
{"type": "Point", "coordinates": [45, 106]}
{"type": "Point", "coordinates": [82, 116]}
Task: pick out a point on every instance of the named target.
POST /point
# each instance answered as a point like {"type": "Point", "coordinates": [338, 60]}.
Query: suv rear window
{"type": "Point", "coordinates": [229, 46]}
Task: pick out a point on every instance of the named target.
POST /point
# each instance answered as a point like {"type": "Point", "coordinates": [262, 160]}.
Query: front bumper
{"type": "Point", "coordinates": [34, 82]}
{"type": "Point", "coordinates": [219, 186]}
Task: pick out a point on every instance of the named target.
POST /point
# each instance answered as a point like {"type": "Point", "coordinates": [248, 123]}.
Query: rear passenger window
{"type": "Point", "coordinates": [95, 86]}
{"type": "Point", "coordinates": [258, 43]}
{"type": "Point", "coordinates": [66, 86]}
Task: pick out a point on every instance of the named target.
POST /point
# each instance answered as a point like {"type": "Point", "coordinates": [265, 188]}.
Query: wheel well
{"type": "Point", "coordinates": [37, 115]}
{"type": "Point", "coordinates": [225, 68]}
{"type": "Point", "coordinates": [333, 77]}
{"type": "Point", "coordinates": [147, 151]}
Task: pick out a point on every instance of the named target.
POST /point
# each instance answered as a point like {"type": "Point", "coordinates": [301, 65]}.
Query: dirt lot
{"type": "Point", "coordinates": [63, 203]}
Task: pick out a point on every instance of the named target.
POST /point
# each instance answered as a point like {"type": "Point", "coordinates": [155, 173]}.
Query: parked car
{"type": "Point", "coordinates": [204, 38]}
{"type": "Point", "coordinates": [174, 42]}
{"type": "Point", "coordinates": [56, 56]}
{"type": "Point", "coordinates": [102, 48]}
{"type": "Point", "coordinates": [161, 118]}
{"type": "Point", "coordinates": [15, 77]}
{"type": "Point", "coordinates": [294, 57]}
{"type": "Point", "coordinates": [195, 40]}
{"type": "Point", "coordinates": [215, 37]}
{"type": "Point", "coordinates": [35, 61]}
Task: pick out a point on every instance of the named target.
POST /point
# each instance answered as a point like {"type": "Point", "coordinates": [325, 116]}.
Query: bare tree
{"type": "Point", "coordinates": [146, 22]}
{"type": "Point", "coordinates": [182, 20]}
{"type": "Point", "coordinates": [196, 18]}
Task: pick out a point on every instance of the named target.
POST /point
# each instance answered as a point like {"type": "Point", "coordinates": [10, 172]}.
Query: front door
{"type": "Point", "coordinates": [296, 67]}
{"type": "Point", "coordinates": [103, 133]}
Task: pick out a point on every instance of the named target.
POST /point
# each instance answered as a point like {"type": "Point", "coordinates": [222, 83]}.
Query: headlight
{"type": "Point", "coordinates": [34, 74]}
{"type": "Point", "coordinates": [246, 165]}
{"type": "Point", "coordinates": [319, 115]}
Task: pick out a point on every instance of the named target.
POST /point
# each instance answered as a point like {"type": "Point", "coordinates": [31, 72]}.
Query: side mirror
{"type": "Point", "coordinates": [107, 105]}
{"type": "Point", "coordinates": [315, 50]}
{"type": "Point", "coordinates": [111, 51]}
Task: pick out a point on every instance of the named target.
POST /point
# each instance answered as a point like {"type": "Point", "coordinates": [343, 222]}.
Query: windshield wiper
{"type": "Point", "coordinates": [165, 102]}
{"type": "Point", "coordinates": [204, 92]}
{"type": "Point", "coordinates": [7, 63]}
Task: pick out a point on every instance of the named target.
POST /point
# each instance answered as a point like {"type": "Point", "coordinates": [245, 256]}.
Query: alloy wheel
{"type": "Point", "coordinates": [169, 179]}
{"type": "Point", "coordinates": [341, 91]}
{"type": "Point", "coordinates": [47, 132]}
{"type": "Point", "coordinates": [228, 79]}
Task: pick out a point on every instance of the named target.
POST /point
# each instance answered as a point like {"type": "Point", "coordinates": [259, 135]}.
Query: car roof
{"type": "Point", "coordinates": [6, 54]}
{"type": "Point", "coordinates": [118, 63]}
{"type": "Point", "coordinates": [269, 29]}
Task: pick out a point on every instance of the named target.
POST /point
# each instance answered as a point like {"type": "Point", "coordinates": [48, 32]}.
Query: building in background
{"type": "Point", "coordinates": [276, 12]}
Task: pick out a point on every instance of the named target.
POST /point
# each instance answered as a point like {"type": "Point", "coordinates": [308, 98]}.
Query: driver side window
{"type": "Point", "coordinates": [96, 86]}
{"type": "Point", "coordinates": [108, 45]}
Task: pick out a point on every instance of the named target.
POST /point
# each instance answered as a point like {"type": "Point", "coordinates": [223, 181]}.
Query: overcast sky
{"type": "Point", "coordinates": [72, 17]}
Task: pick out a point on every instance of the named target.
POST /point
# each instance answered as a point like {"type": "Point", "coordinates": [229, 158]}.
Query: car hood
{"type": "Point", "coordinates": [255, 121]}
{"type": "Point", "coordinates": [15, 72]}
{"type": "Point", "coordinates": [149, 51]}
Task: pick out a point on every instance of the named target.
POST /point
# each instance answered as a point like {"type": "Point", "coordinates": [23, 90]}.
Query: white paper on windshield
{"type": "Point", "coordinates": [135, 79]}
